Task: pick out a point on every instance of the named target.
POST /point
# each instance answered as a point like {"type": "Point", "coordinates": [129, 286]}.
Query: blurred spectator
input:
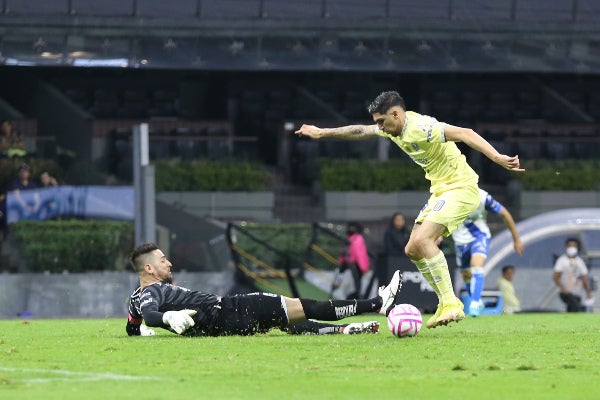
{"type": "Point", "coordinates": [570, 274]}
{"type": "Point", "coordinates": [396, 235]}
{"type": "Point", "coordinates": [3, 224]}
{"type": "Point", "coordinates": [511, 303]}
{"type": "Point", "coordinates": [47, 180]}
{"type": "Point", "coordinates": [11, 144]}
{"type": "Point", "coordinates": [355, 257]}
{"type": "Point", "coordinates": [23, 181]}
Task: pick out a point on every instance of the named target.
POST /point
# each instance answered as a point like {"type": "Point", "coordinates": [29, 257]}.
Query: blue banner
{"type": "Point", "coordinates": [110, 202]}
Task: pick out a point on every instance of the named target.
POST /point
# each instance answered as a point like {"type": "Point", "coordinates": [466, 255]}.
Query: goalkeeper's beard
{"type": "Point", "coordinates": [164, 279]}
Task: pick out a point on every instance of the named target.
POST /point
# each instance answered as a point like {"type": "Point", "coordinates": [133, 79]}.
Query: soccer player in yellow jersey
{"type": "Point", "coordinates": [454, 191]}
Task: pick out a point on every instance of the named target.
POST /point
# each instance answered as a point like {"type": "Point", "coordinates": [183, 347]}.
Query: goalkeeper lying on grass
{"type": "Point", "coordinates": [187, 312]}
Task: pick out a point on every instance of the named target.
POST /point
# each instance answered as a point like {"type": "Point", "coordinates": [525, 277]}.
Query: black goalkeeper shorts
{"type": "Point", "coordinates": [248, 314]}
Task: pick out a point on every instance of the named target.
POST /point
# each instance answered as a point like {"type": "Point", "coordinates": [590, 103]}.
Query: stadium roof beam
{"type": "Point", "coordinates": [411, 29]}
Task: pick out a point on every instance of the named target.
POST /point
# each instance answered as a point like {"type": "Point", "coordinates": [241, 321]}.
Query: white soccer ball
{"type": "Point", "coordinates": [404, 320]}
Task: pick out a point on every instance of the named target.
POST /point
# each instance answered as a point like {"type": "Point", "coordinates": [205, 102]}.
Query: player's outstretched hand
{"type": "Point", "coordinates": [311, 131]}
{"type": "Point", "coordinates": [519, 247]}
{"type": "Point", "coordinates": [179, 321]}
{"type": "Point", "coordinates": [510, 163]}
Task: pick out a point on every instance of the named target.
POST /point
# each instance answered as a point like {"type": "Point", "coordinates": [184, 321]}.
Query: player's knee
{"type": "Point", "coordinates": [412, 252]}
{"type": "Point", "coordinates": [295, 311]}
{"type": "Point", "coordinates": [415, 248]}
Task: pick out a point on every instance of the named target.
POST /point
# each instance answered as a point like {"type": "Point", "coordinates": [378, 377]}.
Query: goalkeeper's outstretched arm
{"type": "Point", "coordinates": [133, 326]}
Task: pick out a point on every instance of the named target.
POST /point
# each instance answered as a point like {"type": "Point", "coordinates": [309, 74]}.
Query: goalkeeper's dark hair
{"type": "Point", "coordinates": [385, 101]}
{"type": "Point", "coordinates": [138, 252]}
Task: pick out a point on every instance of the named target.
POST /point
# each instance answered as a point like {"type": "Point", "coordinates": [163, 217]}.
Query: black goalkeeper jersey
{"type": "Point", "coordinates": [154, 300]}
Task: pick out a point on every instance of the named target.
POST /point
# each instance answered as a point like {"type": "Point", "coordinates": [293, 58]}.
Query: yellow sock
{"type": "Point", "coordinates": [438, 267]}
{"type": "Point", "coordinates": [423, 267]}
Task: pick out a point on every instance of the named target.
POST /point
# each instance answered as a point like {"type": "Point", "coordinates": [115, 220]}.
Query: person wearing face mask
{"type": "Point", "coordinates": [570, 273]}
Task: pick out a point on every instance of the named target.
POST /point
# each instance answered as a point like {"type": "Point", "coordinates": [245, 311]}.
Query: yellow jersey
{"type": "Point", "coordinates": [423, 139]}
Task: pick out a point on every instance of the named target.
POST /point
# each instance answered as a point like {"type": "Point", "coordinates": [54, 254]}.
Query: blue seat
{"type": "Point", "coordinates": [492, 299]}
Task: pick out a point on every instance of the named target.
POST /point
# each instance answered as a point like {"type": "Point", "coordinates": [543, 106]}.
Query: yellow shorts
{"type": "Point", "coordinates": [450, 208]}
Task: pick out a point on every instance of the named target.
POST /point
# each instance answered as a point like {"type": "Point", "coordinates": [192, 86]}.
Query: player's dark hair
{"type": "Point", "coordinates": [385, 101]}
{"type": "Point", "coordinates": [573, 239]}
{"type": "Point", "coordinates": [139, 251]}
{"type": "Point", "coordinates": [507, 267]}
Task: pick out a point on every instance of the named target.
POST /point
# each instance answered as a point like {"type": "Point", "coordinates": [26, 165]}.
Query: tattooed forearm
{"type": "Point", "coordinates": [350, 132]}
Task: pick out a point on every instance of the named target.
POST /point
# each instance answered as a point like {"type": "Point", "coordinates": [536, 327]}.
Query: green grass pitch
{"type": "Point", "coordinates": [528, 356]}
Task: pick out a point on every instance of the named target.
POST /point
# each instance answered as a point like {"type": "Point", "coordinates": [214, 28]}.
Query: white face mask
{"type": "Point", "coordinates": [571, 251]}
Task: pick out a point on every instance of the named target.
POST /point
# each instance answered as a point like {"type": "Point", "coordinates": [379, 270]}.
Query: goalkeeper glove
{"type": "Point", "coordinates": [179, 321]}
{"type": "Point", "coordinates": [145, 331]}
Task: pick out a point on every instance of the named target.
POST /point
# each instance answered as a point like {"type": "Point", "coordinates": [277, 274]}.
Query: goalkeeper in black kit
{"type": "Point", "coordinates": [160, 303]}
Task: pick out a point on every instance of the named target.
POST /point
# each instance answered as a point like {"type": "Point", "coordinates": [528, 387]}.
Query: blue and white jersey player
{"type": "Point", "coordinates": [472, 242]}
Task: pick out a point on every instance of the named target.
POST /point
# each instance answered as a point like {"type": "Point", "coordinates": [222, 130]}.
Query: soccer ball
{"type": "Point", "coordinates": [404, 320]}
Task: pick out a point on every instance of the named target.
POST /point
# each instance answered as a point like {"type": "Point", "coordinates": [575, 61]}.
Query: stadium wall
{"type": "Point", "coordinates": [537, 202]}
{"type": "Point", "coordinates": [361, 206]}
{"type": "Point", "coordinates": [369, 206]}
{"type": "Point", "coordinates": [245, 205]}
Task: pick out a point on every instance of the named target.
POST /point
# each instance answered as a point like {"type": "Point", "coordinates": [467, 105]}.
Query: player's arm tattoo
{"type": "Point", "coordinates": [350, 131]}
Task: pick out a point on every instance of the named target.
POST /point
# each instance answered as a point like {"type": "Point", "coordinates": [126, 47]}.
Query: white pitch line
{"type": "Point", "coordinates": [74, 375]}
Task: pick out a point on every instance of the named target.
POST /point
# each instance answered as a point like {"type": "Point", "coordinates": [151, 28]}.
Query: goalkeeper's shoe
{"type": "Point", "coordinates": [390, 293]}
{"type": "Point", "coordinates": [451, 312]}
{"type": "Point", "coordinates": [361, 327]}
{"type": "Point", "coordinates": [431, 322]}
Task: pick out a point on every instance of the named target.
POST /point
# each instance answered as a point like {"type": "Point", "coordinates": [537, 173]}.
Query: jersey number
{"type": "Point", "coordinates": [438, 206]}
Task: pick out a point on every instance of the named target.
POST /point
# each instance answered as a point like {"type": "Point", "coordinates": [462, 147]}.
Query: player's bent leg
{"type": "Point", "coordinates": [333, 310]}
{"type": "Point", "coordinates": [421, 248]}
{"type": "Point", "coordinates": [310, 327]}
{"type": "Point", "coordinates": [477, 283]}
{"type": "Point", "coordinates": [423, 268]}
{"type": "Point", "coordinates": [466, 276]}
{"type": "Point", "coordinates": [421, 243]}
{"type": "Point", "coordinates": [329, 310]}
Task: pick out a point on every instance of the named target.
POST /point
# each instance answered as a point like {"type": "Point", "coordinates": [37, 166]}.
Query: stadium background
{"type": "Point", "coordinates": [222, 79]}
{"type": "Point", "coordinates": [76, 73]}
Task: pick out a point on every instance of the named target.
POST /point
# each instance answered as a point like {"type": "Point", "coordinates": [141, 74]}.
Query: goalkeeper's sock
{"type": "Point", "coordinates": [438, 266]}
{"type": "Point", "coordinates": [423, 268]}
{"type": "Point", "coordinates": [477, 282]}
{"type": "Point", "coordinates": [333, 310]}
